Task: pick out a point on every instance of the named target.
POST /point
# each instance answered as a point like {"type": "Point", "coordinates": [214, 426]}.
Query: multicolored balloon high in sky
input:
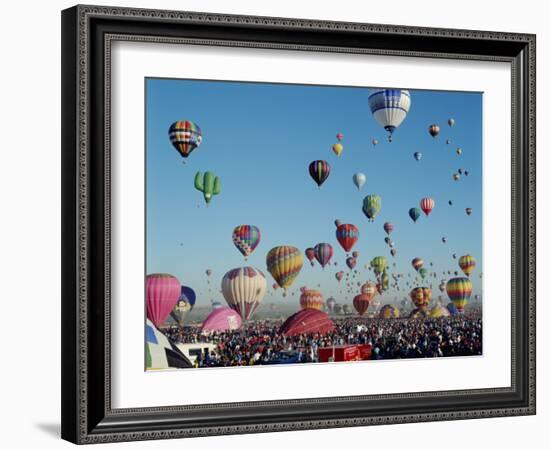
{"type": "Point", "coordinates": [185, 136]}
{"type": "Point", "coordinates": [347, 235]}
{"type": "Point", "coordinates": [246, 238]}
{"type": "Point", "coordinates": [319, 170]}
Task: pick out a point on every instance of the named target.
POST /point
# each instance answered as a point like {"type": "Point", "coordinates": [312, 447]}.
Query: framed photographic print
{"type": "Point", "coordinates": [273, 213]}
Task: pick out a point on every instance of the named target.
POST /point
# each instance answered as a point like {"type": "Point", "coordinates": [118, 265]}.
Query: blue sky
{"type": "Point", "coordinates": [259, 139]}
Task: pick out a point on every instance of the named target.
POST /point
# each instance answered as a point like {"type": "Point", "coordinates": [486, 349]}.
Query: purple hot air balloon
{"type": "Point", "coordinates": [162, 291]}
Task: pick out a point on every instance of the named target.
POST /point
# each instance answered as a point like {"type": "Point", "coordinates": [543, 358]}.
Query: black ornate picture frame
{"type": "Point", "coordinates": [87, 34]}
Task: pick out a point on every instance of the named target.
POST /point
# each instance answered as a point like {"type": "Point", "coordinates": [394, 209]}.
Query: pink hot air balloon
{"type": "Point", "coordinates": [427, 204]}
{"type": "Point", "coordinates": [340, 275]}
{"type": "Point", "coordinates": [162, 291]}
{"type": "Point", "coordinates": [388, 228]}
{"type": "Point", "coordinates": [222, 319]}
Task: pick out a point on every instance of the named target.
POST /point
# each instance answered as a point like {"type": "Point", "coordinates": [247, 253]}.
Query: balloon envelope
{"type": "Point", "coordinates": [162, 292]}
{"type": "Point", "coordinates": [307, 321]}
{"type": "Point", "coordinates": [222, 319]}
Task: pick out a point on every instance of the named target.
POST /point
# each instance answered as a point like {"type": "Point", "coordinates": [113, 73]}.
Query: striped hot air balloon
{"type": "Point", "coordinates": [185, 136]}
{"type": "Point", "coordinates": [389, 108]}
{"type": "Point", "coordinates": [388, 228]}
{"type": "Point", "coordinates": [379, 264]}
{"type": "Point", "coordinates": [311, 299]}
{"type": "Point", "coordinates": [459, 291]}
{"type": "Point", "coordinates": [284, 264]}
{"type": "Point", "coordinates": [243, 289]}
{"type": "Point", "coordinates": [467, 263]}
{"type": "Point", "coordinates": [319, 170]}
{"type": "Point", "coordinates": [372, 204]}
{"type": "Point", "coordinates": [246, 238]}
{"type": "Point", "coordinates": [347, 235]}
{"type": "Point", "coordinates": [427, 204]}
{"type": "Point", "coordinates": [323, 253]}
{"type": "Point", "coordinates": [162, 291]}
{"type": "Point", "coordinates": [439, 311]}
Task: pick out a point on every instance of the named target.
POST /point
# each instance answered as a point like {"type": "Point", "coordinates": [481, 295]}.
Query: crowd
{"type": "Point", "coordinates": [261, 343]}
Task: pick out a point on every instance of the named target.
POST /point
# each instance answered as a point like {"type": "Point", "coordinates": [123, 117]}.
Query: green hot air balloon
{"type": "Point", "coordinates": [414, 214]}
{"type": "Point", "coordinates": [379, 264]}
{"type": "Point", "coordinates": [371, 206]}
{"type": "Point", "coordinates": [209, 184]}
{"type": "Point", "coordinates": [423, 272]}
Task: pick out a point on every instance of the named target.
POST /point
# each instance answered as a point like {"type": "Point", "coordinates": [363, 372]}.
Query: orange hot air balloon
{"type": "Point", "coordinates": [467, 263]}
{"type": "Point", "coordinates": [311, 299]}
{"type": "Point", "coordinates": [421, 297]}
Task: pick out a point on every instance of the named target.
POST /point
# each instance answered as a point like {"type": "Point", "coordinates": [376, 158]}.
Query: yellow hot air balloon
{"type": "Point", "coordinates": [284, 264]}
{"type": "Point", "coordinates": [467, 263]}
{"type": "Point", "coordinates": [338, 148]}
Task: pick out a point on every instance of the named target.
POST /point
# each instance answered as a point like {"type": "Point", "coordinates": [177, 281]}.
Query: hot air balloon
{"type": "Point", "coordinates": [439, 311]}
{"type": "Point", "coordinates": [375, 142]}
{"type": "Point", "coordinates": [427, 204]}
{"type": "Point", "coordinates": [310, 255]}
{"type": "Point", "coordinates": [337, 148]}
{"type": "Point", "coordinates": [208, 272]}
{"type": "Point", "coordinates": [243, 289]}
{"type": "Point", "coordinates": [417, 156]}
{"type": "Point", "coordinates": [418, 314]}
{"type": "Point", "coordinates": [284, 264]}
{"type": "Point", "coordinates": [347, 235]}
{"type": "Point", "coordinates": [351, 262]}
{"type": "Point", "coordinates": [456, 176]}
{"type": "Point", "coordinates": [433, 130]}
{"type": "Point", "coordinates": [337, 222]}
{"type": "Point", "coordinates": [275, 286]}
{"type": "Point", "coordinates": [162, 292]}
{"type": "Point", "coordinates": [448, 141]}
{"type": "Point", "coordinates": [459, 151]}
{"type": "Point", "coordinates": [371, 206]}
{"type": "Point", "coordinates": [390, 107]}
{"type": "Point", "coordinates": [246, 238]}
{"type": "Point", "coordinates": [307, 321]}
{"type": "Point", "coordinates": [222, 319]}
{"type": "Point", "coordinates": [414, 214]}
{"type": "Point", "coordinates": [359, 179]}
{"type": "Point", "coordinates": [423, 272]}
{"type": "Point", "coordinates": [339, 275]}
{"type": "Point", "coordinates": [466, 173]}
{"type": "Point", "coordinates": [388, 227]}
{"type": "Point", "coordinates": [450, 203]}
{"type": "Point", "coordinates": [469, 211]}
{"type": "Point", "coordinates": [444, 239]}
{"type": "Point", "coordinates": [185, 136]}
{"type": "Point", "coordinates": [339, 136]}
{"type": "Point", "coordinates": [417, 263]}
{"type": "Point", "coordinates": [389, 312]}
{"type": "Point", "coordinates": [421, 297]}
{"type": "Point", "coordinates": [209, 184]}
{"type": "Point", "coordinates": [467, 263]}
{"type": "Point", "coordinates": [460, 171]}
{"type": "Point", "coordinates": [323, 253]}
{"type": "Point", "coordinates": [379, 264]}
{"type": "Point", "coordinates": [331, 303]}
{"type": "Point", "coordinates": [184, 305]}
{"type": "Point", "coordinates": [337, 309]}
{"type": "Point", "coordinates": [393, 252]}
{"type": "Point", "coordinates": [311, 299]}
{"type": "Point", "coordinates": [346, 309]}
{"type": "Point", "coordinates": [361, 302]}
{"type": "Point", "coordinates": [355, 254]}
{"type": "Point", "coordinates": [459, 291]}
{"type": "Point", "coordinates": [451, 122]}
{"type": "Point", "coordinates": [319, 170]}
